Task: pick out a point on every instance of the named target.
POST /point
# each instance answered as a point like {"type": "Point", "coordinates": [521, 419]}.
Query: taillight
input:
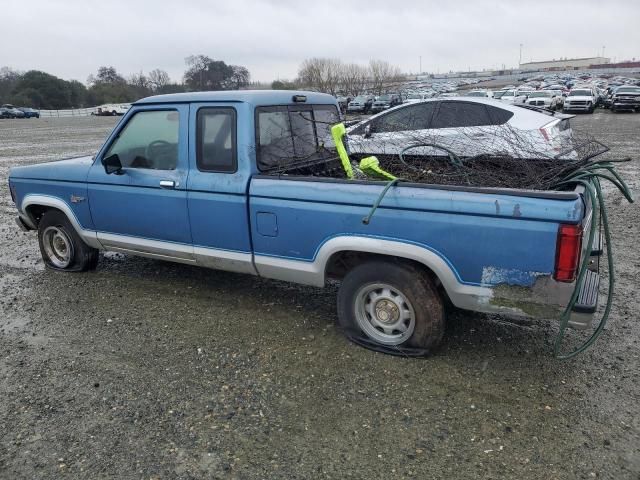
{"type": "Point", "coordinates": [544, 134]}
{"type": "Point", "coordinates": [568, 252]}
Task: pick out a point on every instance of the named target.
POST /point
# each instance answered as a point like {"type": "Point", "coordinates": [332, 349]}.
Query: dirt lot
{"type": "Point", "coordinates": [144, 369]}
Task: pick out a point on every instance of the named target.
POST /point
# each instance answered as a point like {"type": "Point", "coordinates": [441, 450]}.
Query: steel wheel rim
{"type": "Point", "coordinates": [384, 314]}
{"type": "Point", "coordinates": [58, 247]}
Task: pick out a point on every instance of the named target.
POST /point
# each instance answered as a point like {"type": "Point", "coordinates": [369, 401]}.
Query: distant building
{"type": "Point", "coordinates": [565, 64]}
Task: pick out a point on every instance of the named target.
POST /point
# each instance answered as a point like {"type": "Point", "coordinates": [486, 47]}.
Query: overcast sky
{"type": "Point", "coordinates": [72, 38]}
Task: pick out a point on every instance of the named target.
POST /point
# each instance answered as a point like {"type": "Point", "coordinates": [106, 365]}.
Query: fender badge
{"type": "Point", "coordinates": [76, 199]}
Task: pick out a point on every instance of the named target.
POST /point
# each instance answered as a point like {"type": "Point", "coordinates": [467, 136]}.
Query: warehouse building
{"type": "Point", "coordinates": [565, 64]}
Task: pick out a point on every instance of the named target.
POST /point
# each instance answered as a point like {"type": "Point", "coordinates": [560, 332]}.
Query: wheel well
{"type": "Point", "coordinates": [341, 262]}
{"type": "Point", "coordinates": [36, 212]}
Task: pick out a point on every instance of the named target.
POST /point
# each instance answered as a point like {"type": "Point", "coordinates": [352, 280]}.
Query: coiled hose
{"type": "Point", "coordinates": [589, 177]}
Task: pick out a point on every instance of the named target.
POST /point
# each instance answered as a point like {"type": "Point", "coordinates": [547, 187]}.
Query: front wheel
{"type": "Point", "coordinates": [391, 307]}
{"type": "Point", "coordinates": [61, 247]}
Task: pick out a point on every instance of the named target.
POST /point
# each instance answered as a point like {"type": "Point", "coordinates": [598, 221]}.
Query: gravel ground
{"type": "Point", "coordinates": [144, 369]}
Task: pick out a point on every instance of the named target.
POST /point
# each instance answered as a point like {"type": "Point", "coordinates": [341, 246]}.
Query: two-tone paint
{"type": "Point", "coordinates": [475, 241]}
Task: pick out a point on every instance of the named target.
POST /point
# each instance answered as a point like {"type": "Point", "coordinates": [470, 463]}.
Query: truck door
{"type": "Point", "coordinates": [220, 171]}
{"type": "Point", "coordinates": [143, 206]}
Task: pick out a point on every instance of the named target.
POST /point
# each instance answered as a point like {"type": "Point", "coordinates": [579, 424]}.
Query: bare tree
{"type": "Point", "coordinates": [353, 79]}
{"type": "Point", "coordinates": [139, 81]}
{"type": "Point", "coordinates": [158, 79]}
{"type": "Point", "coordinates": [382, 75]}
{"type": "Point", "coordinates": [321, 74]}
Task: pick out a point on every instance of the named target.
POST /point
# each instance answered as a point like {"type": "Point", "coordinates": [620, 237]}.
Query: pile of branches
{"type": "Point", "coordinates": [497, 156]}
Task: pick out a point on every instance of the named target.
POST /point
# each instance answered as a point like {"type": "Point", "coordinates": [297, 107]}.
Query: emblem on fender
{"type": "Point", "coordinates": [76, 199]}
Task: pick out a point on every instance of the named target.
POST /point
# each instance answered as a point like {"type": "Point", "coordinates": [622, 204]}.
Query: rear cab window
{"type": "Point", "coordinates": [286, 135]}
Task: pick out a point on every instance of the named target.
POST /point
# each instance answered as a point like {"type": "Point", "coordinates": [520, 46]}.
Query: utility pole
{"type": "Point", "coordinates": [420, 72]}
{"type": "Point", "coordinates": [520, 61]}
{"type": "Point", "coordinates": [602, 51]}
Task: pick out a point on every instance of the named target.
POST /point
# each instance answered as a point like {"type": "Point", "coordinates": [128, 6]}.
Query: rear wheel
{"type": "Point", "coordinates": [392, 307]}
{"type": "Point", "coordinates": [61, 247]}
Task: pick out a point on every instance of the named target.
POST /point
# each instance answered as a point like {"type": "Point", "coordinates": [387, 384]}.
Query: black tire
{"type": "Point", "coordinates": [61, 247]}
{"type": "Point", "coordinates": [591, 109]}
{"type": "Point", "coordinates": [613, 108]}
{"type": "Point", "coordinates": [417, 294]}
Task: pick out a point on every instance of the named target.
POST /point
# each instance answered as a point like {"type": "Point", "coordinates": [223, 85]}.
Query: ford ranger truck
{"type": "Point", "coordinates": [188, 178]}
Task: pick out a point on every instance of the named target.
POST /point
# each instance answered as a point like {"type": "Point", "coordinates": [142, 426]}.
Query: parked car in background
{"type": "Point", "coordinates": [466, 126]}
{"type": "Point", "coordinates": [417, 97]}
{"type": "Point", "coordinates": [384, 102]}
{"type": "Point", "coordinates": [13, 111]}
{"type": "Point", "coordinates": [513, 97]}
{"type": "Point", "coordinates": [343, 102]}
{"type": "Point", "coordinates": [29, 112]}
{"type": "Point", "coordinates": [5, 113]}
{"type": "Point", "coordinates": [480, 93]}
{"type": "Point", "coordinates": [625, 98]}
{"type": "Point", "coordinates": [111, 110]}
{"type": "Point", "coordinates": [580, 99]}
{"type": "Point", "coordinates": [544, 99]}
{"type": "Point", "coordinates": [362, 103]}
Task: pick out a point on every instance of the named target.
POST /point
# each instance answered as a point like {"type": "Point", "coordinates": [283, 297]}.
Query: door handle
{"type": "Point", "coordinates": [167, 184]}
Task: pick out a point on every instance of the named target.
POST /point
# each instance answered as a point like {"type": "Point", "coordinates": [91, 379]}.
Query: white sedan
{"type": "Point", "coordinates": [465, 126]}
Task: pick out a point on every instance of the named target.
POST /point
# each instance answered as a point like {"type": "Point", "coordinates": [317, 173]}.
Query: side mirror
{"type": "Point", "coordinates": [112, 164]}
{"type": "Point", "coordinates": [367, 131]}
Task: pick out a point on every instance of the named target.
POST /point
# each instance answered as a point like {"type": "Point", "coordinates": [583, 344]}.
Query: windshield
{"type": "Point", "coordinates": [476, 94]}
{"type": "Point", "coordinates": [384, 98]}
{"type": "Point", "coordinates": [540, 94]}
{"type": "Point", "coordinates": [414, 96]}
{"type": "Point", "coordinates": [360, 99]}
{"type": "Point", "coordinates": [580, 93]}
{"type": "Point", "coordinates": [498, 94]}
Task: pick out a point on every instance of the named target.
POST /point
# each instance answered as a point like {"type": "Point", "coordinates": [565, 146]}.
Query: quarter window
{"type": "Point", "coordinates": [149, 140]}
{"type": "Point", "coordinates": [216, 140]}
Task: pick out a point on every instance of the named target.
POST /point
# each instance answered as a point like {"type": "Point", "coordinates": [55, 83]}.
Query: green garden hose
{"type": "Point", "coordinates": [589, 176]}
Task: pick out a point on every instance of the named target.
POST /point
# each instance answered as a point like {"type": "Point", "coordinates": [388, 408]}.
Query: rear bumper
{"type": "Point", "coordinates": [587, 302]}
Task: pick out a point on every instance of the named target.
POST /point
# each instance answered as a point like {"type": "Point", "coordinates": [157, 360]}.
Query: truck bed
{"type": "Point", "coordinates": [495, 247]}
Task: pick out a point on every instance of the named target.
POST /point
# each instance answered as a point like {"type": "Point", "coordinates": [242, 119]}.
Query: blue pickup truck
{"type": "Point", "coordinates": [189, 178]}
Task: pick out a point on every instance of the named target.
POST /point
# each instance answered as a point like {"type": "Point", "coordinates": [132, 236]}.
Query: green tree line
{"type": "Point", "coordinates": [42, 90]}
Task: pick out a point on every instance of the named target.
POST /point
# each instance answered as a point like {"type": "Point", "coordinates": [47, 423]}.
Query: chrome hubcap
{"type": "Point", "coordinates": [384, 314]}
{"type": "Point", "coordinates": [57, 246]}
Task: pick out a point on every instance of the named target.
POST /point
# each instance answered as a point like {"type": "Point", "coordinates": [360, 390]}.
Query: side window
{"type": "Point", "coordinates": [149, 140]}
{"type": "Point", "coordinates": [499, 116]}
{"type": "Point", "coordinates": [461, 114]}
{"type": "Point", "coordinates": [413, 117]}
{"type": "Point", "coordinates": [216, 140]}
